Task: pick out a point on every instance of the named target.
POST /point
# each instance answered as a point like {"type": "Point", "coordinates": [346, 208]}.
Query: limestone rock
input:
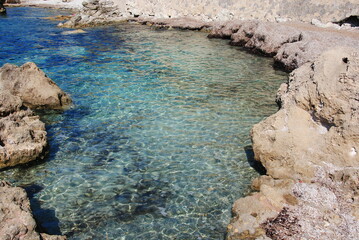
{"type": "Point", "coordinates": [16, 220]}
{"type": "Point", "coordinates": [33, 87]}
{"type": "Point", "coordinates": [177, 23]}
{"type": "Point", "coordinates": [291, 44]}
{"type": "Point", "coordinates": [9, 103]}
{"type": "Point", "coordinates": [250, 212]}
{"type": "Point", "coordinates": [318, 119]}
{"type": "Point", "coordinates": [22, 138]}
{"type": "Point", "coordinates": [309, 148]}
{"type": "Point", "coordinates": [208, 11]}
{"type": "Point", "coordinates": [95, 12]}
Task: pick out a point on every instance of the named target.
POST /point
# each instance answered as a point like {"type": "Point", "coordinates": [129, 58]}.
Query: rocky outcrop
{"type": "Point", "coordinates": [310, 150]}
{"type": "Point", "coordinates": [22, 134]}
{"type": "Point", "coordinates": [16, 220]}
{"type": "Point", "coordinates": [22, 138]}
{"type": "Point", "coordinates": [305, 10]}
{"type": "Point", "coordinates": [102, 11]}
{"type": "Point", "coordinates": [95, 12]}
{"type": "Point", "coordinates": [33, 87]}
{"type": "Point", "coordinates": [291, 44]}
{"type": "Point", "coordinates": [175, 23]}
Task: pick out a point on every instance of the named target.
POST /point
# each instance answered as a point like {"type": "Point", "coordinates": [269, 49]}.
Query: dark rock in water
{"type": "Point", "coordinates": [2, 8]}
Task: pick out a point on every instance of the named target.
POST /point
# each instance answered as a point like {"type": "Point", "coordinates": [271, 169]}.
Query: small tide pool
{"type": "Point", "coordinates": [154, 145]}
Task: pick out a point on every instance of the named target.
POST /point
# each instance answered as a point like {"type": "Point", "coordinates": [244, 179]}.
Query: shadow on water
{"type": "Point", "coordinates": [46, 219]}
{"type": "Point", "coordinates": [256, 165]}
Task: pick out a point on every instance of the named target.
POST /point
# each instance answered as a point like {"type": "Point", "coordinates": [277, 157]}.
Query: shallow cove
{"type": "Point", "coordinates": [154, 146]}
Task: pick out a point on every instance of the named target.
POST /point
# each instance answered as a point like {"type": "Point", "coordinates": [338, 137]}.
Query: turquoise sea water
{"type": "Point", "coordinates": [154, 145]}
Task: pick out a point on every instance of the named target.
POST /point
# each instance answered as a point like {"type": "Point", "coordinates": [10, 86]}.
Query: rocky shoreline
{"type": "Point", "coordinates": [22, 140]}
{"type": "Point", "coordinates": [309, 147]}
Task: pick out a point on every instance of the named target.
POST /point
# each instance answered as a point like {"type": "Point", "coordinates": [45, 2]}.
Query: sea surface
{"type": "Point", "coordinates": [155, 144]}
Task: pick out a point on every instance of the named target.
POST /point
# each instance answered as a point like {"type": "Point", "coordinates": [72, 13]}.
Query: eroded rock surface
{"type": "Point", "coordinates": [33, 87]}
{"type": "Point", "coordinates": [310, 150]}
{"type": "Point", "coordinates": [22, 138]}
{"type": "Point", "coordinates": [16, 220]}
{"type": "Point", "coordinates": [290, 44]}
{"type": "Point", "coordinates": [22, 134]}
{"type": "Point", "coordinates": [274, 10]}
{"type": "Point", "coordinates": [95, 12]}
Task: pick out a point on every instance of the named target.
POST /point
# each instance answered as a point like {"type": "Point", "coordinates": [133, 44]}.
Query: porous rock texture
{"type": "Point", "coordinates": [16, 220]}
{"type": "Point", "coordinates": [290, 44]}
{"type": "Point", "coordinates": [22, 134]}
{"type": "Point", "coordinates": [33, 87]}
{"type": "Point", "coordinates": [310, 150]}
{"type": "Point", "coordinates": [105, 11]}
{"type": "Point", "coordinates": [222, 10]}
{"type": "Point", "coordinates": [22, 138]}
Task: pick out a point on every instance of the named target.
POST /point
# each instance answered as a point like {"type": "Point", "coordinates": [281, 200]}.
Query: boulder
{"type": "Point", "coordinates": [33, 87]}
{"type": "Point", "coordinates": [16, 220]}
{"type": "Point", "coordinates": [22, 138]}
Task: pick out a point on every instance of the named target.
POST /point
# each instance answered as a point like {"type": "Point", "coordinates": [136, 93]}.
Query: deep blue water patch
{"type": "Point", "coordinates": [154, 147]}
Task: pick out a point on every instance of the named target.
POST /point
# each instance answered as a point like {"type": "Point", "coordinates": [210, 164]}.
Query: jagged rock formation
{"type": "Point", "coordinates": [310, 150]}
{"type": "Point", "coordinates": [16, 220]}
{"type": "Point", "coordinates": [95, 12]}
{"type": "Point", "coordinates": [290, 44]}
{"type": "Point", "coordinates": [22, 134]}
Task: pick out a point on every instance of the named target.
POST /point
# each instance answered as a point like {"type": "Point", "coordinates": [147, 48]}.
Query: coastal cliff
{"type": "Point", "coordinates": [309, 149]}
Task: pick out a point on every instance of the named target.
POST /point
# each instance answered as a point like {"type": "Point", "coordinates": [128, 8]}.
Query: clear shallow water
{"type": "Point", "coordinates": [154, 146]}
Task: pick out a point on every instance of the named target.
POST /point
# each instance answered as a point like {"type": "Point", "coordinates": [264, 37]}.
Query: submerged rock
{"type": "Point", "coordinates": [77, 31]}
{"type": "Point", "coordinates": [33, 87]}
{"type": "Point", "coordinates": [2, 8]}
{"type": "Point", "coordinates": [16, 220]}
{"type": "Point", "coordinates": [310, 150]}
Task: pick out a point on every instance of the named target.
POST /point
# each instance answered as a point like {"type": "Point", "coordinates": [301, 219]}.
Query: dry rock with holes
{"type": "Point", "coordinates": [310, 150]}
{"type": "Point", "coordinates": [22, 134]}
{"type": "Point", "coordinates": [290, 44]}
